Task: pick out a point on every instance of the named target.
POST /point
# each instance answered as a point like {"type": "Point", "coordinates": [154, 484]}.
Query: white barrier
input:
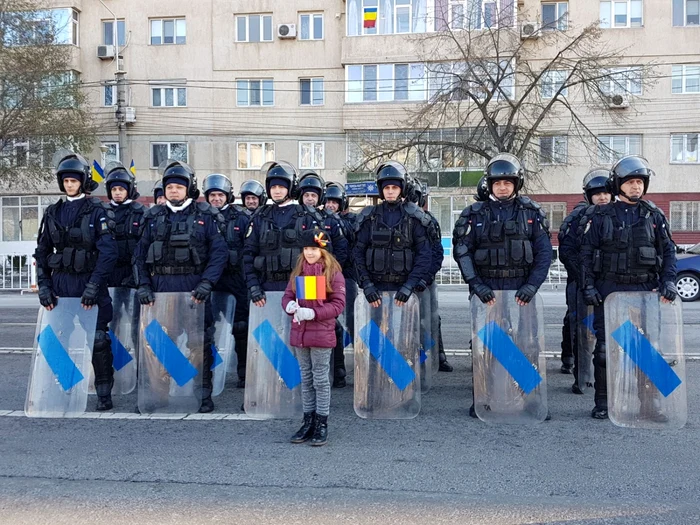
{"type": "Point", "coordinates": [17, 272]}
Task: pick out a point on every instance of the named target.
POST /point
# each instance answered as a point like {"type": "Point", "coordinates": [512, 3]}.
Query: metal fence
{"type": "Point", "coordinates": [17, 272]}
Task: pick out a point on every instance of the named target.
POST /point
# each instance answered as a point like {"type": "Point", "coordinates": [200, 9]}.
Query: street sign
{"type": "Point", "coordinates": [362, 188]}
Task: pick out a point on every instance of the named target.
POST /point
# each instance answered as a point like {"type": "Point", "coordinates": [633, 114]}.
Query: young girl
{"type": "Point", "coordinates": [313, 333]}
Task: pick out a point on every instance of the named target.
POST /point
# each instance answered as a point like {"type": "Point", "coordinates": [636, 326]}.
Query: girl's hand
{"type": "Point", "coordinates": [304, 314]}
{"type": "Point", "coordinates": [292, 306]}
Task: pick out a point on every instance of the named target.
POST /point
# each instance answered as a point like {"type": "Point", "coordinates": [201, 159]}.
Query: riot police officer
{"type": "Point", "coordinates": [503, 243]}
{"type": "Point", "coordinates": [218, 191]}
{"type": "Point", "coordinates": [273, 239]}
{"type": "Point", "coordinates": [253, 195]}
{"type": "Point", "coordinates": [182, 250]}
{"type": "Point", "coordinates": [482, 190]}
{"type": "Point", "coordinates": [121, 190]}
{"type": "Point", "coordinates": [158, 195]}
{"type": "Point", "coordinates": [392, 251]}
{"type": "Point", "coordinates": [594, 192]}
{"type": "Point", "coordinates": [75, 256]}
{"type": "Point", "coordinates": [626, 246]}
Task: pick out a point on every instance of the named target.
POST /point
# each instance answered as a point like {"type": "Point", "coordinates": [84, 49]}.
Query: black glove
{"type": "Point", "coordinates": [256, 294]}
{"type": "Point", "coordinates": [89, 297]}
{"type": "Point", "coordinates": [403, 294]}
{"type": "Point", "coordinates": [128, 282]}
{"type": "Point", "coordinates": [146, 295]}
{"type": "Point", "coordinates": [203, 290]}
{"type": "Point", "coordinates": [668, 291]}
{"type": "Point", "coordinates": [47, 297]}
{"type": "Point", "coordinates": [420, 287]}
{"type": "Point", "coordinates": [526, 293]}
{"type": "Point", "coordinates": [483, 292]}
{"type": "Point", "coordinates": [591, 296]}
{"type": "Point", "coordinates": [371, 293]}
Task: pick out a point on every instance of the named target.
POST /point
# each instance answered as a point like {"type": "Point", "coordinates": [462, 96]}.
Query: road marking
{"type": "Point", "coordinates": [17, 324]}
{"type": "Point", "coordinates": [130, 415]}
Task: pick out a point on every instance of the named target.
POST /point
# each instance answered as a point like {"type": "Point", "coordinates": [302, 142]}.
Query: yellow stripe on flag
{"type": "Point", "coordinates": [310, 288]}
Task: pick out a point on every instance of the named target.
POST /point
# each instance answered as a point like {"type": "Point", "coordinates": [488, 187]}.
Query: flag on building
{"type": "Point", "coordinates": [311, 287]}
{"type": "Point", "coordinates": [132, 168]}
{"type": "Point", "coordinates": [370, 17]}
{"type": "Point", "coordinates": [98, 174]}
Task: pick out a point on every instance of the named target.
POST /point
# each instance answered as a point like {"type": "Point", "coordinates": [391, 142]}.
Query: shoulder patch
{"type": "Point", "coordinates": [249, 230]}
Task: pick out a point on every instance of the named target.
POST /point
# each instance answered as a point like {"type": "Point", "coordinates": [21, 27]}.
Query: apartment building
{"type": "Point", "coordinates": [227, 85]}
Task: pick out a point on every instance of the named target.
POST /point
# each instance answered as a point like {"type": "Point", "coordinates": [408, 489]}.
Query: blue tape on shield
{"type": "Point", "coordinates": [217, 357]}
{"type": "Point", "coordinates": [588, 323]}
{"type": "Point", "coordinates": [428, 341]}
{"type": "Point", "coordinates": [423, 356]}
{"type": "Point", "coordinates": [121, 355]}
{"type": "Point", "coordinates": [511, 358]}
{"type": "Point", "coordinates": [647, 358]}
{"type": "Point", "coordinates": [279, 354]}
{"type": "Point", "coordinates": [347, 338]}
{"type": "Point", "coordinates": [58, 359]}
{"type": "Point", "coordinates": [387, 356]}
{"type": "Point", "coordinates": [167, 352]}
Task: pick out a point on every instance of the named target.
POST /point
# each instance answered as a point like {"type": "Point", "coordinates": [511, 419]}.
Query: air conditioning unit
{"type": "Point", "coordinates": [105, 52]}
{"type": "Point", "coordinates": [529, 30]}
{"type": "Point", "coordinates": [287, 31]}
{"type": "Point", "coordinates": [130, 117]}
{"type": "Point", "coordinates": [618, 102]}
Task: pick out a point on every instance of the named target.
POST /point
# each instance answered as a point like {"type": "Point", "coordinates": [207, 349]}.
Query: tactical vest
{"type": "Point", "coordinates": [628, 252]}
{"type": "Point", "coordinates": [504, 249]}
{"type": "Point", "coordinates": [571, 220]}
{"type": "Point", "coordinates": [179, 248]}
{"type": "Point", "coordinates": [75, 249]}
{"type": "Point", "coordinates": [389, 255]}
{"type": "Point", "coordinates": [127, 232]}
{"type": "Point", "coordinates": [232, 235]}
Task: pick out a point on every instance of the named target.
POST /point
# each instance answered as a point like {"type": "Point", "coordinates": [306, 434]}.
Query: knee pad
{"type": "Point", "coordinates": [102, 341]}
{"type": "Point", "coordinates": [599, 355]}
{"type": "Point", "coordinates": [240, 329]}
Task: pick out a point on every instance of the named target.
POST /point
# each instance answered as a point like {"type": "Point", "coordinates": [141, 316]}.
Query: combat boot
{"type": "Point", "coordinates": [651, 411]}
{"type": "Point", "coordinates": [207, 405]}
{"type": "Point", "coordinates": [567, 368]}
{"type": "Point", "coordinates": [600, 411]}
{"type": "Point", "coordinates": [306, 430]}
{"type": "Point", "coordinates": [444, 365]}
{"type": "Point", "coordinates": [320, 436]}
{"type": "Point", "coordinates": [104, 396]}
{"type": "Point", "coordinates": [339, 378]}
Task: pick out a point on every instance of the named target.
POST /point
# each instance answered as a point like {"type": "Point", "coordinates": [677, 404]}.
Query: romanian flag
{"type": "Point", "coordinates": [311, 287]}
{"type": "Point", "coordinates": [132, 168]}
{"type": "Point", "coordinates": [370, 17]}
{"type": "Point", "coordinates": [98, 174]}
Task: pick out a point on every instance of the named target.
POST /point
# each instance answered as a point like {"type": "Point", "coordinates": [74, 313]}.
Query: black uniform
{"type": "Point", "coordinates": [128, 219]}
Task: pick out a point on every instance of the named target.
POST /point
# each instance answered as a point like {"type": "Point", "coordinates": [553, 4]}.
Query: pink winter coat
{"type": "Point", "coordinates": [319, 332]}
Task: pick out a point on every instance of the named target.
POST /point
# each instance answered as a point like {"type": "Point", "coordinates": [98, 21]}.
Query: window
{"type": "Point", "coordinates": [58, 89]}
{"type": "Point", "coordinates": [555, 211]}
{"type": "Point", "coordinates": [684, 148]}
{"type": "Point", "coordinates": [112, 153]}
{"type": "Point", "coordinates": [311, 26]}
{"type": "Point", "coordinates": [21, 216]}
{"type": "Point", "coordinates": [622, 81]}
{"type": "Point", "coordinates": [621, 13]}
{"type": "Point", "coordinates": [479, 14]}
{"type": "Point", "coordinates": [459, 81]}
{"type": "Point", "coordinates": [311, 155]}
{"type": "Point", "coordinates": [255, 93]}
{"type": "Point", "coordinates": [311, 91]}
{"type": "Point", "coordinates": [161, 151]}
{"type": "Point", "coordinates": [385, 83]}
{"type": "Point", "coordinates": [685, 79]}
{"type": "Point", "coordinates": [553, 150]}
{"type": "Point", "coordinates": [108, 32]}
{"type": "Point", "coordinates": [169, 97]}
{"type": "Point", "coordinates": [685, 215]}
{"type": "Point", "coordinates": [612, 147]}
{"type": "Point", "coordinates": [686, 12]}
{"type": "Point", "coordinates": [28, 28]}
{"type": "Point", "coordinates": [168, 31]}
{"type": "Point", "coordinates": [555, 16]}
{"type": "Point", "coordinates": [252, 155]}
{"type": "Point", "coordinates": [552, 82]}
{"type": "Point", "coordinates": [109, 94]}
{"type": "Point", "coordinates": [386, 17]}
{"type": "Point", "coordinates": [254, 28]}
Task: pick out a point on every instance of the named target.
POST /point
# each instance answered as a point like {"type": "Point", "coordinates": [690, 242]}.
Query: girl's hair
{"type": "Point", "coordinates": [330, 267]}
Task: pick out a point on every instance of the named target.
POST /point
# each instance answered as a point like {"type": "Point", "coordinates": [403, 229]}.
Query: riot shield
{"type": "Point", "coordinates": [645, 361]}
{"type": "Point", "coordinates": [508, 359]}
{"type": "Point", "coordinates": [171, 354]}
{"type": "Point", "coordinates": [61, 363]}
{"type": "Point", "coordinates": [585, 341]}
{"type": "Point", "coordinates": [387, 354]}
{"type": "Point", "coordinates": [273, 377]}
{"type": "Point", "coordinates": [435, 327]}
{"type": "Point", "coordinates": [123, 331]}
{"type": "Point", "coordinates": [427, 344]}
{"type": "Point", "coordinates": [223, 306]}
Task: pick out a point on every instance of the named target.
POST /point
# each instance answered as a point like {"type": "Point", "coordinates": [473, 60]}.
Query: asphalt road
{"type": "Point", "coordinates": [440, 467]}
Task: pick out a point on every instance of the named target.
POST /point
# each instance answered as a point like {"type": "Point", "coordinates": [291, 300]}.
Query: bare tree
{"type": "Point", "coordinates": [501, 86]}
{"type": "Point", "coordinates": [42, 105]}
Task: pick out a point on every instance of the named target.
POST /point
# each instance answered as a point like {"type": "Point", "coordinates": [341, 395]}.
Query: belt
{"type": "Point", "coordinates": [278, 276]}
{"type": "Point", "coordinates": [503, 274]}
{"type": "Point", "coordinates": [389, 278]}
{"type": "Point", "coordinates": [629, 279]}
{"type": "Point", "coordinates": [177, 270]}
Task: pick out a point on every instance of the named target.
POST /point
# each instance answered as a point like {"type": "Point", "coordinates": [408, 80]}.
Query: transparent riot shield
{"type": "Point", "coordinates": [123, 331]}
{"type": "Point", "coordinates": [427, 344]}
{"type": "Point", "coordinates": [61, 363]}
{"type": "Point", "coordinates": [171, 354]}
{"type": "Point", "coordinates": [645, 361]}
{"type": "Point", "coordinates": [387, 354]}
{"type": "Point", "coordinates": [508, 359]}
{"type": "Point", "coordinates": [585, 341]}
{"type": "Point", "coordinates": [273, 377]}
{"type": "Point", "coordinates": [223, 306]}
{"type": "Point", "coordinates": [435, 326]}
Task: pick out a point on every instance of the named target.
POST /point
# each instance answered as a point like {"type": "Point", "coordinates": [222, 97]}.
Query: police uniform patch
{"type": "Point", "coordinates": [588, 227]}
{"type": "Point", "coordinates": [201, 223]}
{"type": "Point", "coordinates": [104, 226]}
{"type": "Point", "coordinates": [469, 228]}
{"type": "Point", "coordinates": [250, 230]}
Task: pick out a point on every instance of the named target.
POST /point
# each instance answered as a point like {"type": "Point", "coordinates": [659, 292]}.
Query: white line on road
{"type": "Point", "coordinates": [129, 415]}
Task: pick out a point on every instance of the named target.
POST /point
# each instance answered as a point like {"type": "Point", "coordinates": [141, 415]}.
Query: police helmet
{"type": "Point", "coordinates": [416, 191]}
{"type": "Point", "coordinates": [218, 182]}
{"type": "Point", "coordinates": [255, 188]}
{"type": "Point", "coordinates": [336, 191]}
{"type": "Point", "coordinates": [70, 164]}
{"type": "Point", "coordinates": [482, 190]}
{"type": "Point", "coordinates": [311, 181]}
{"type": "Point", "coordinates": [391, 171]}
{"type": "Point", "coordinates": [158, 190]}
{"type": "Point", "coordinates": [281, 170]}
{"type": "Point", "coordinates": [595, 181]}
{"type": "Point", "coordinates": [117, 173]}
{"type": "Point", "coordinates": [629, 167]}
{"type": "Point", "coordinates": [505, 166]}
{"type": "Point", "coordinates": [181, 172]}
